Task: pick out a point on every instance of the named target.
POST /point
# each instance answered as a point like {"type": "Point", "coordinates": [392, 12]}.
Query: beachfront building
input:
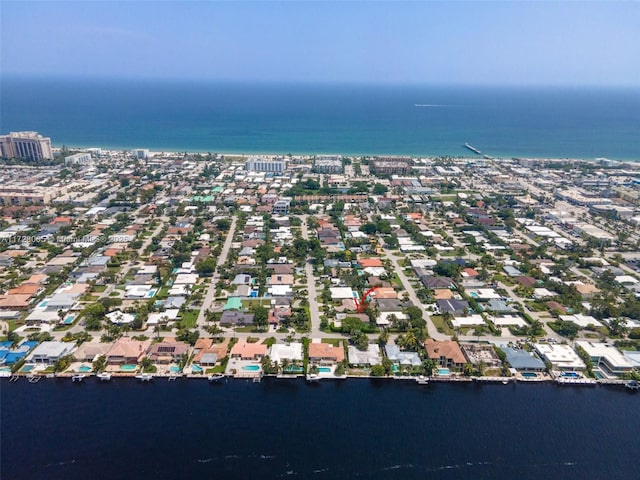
{"type": "Point", "coordinates": [29, 145]}
{"type": "Point", "coordinates": [328, 164]}
{"type": "Point", "coordinates": [257, 164]}
{"type": "Point", "coordinates": [606, 357]}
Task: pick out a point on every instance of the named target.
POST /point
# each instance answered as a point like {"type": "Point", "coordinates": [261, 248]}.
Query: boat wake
{"type": "Point", "coordinates": [60, 464]}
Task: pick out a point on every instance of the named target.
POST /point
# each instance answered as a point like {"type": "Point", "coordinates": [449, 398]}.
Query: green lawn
{"type": "Point", "coordinates": [336, 342]}
{"type": "Point", "coordinates": [189, 318]}
{"type": "Point", "coordinates": [99, 288]}
{"type": "Point", "coordinates": [216, 369]}
{"type": "Point", "coordinates": [442, 325]}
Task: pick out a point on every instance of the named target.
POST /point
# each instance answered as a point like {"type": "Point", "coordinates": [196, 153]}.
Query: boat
{"type": "Point", "coordinates": [422, 380]}
{"type": "Point", "coordinates": [78, 377]}
{"type": "Point", "coordinates": [633, 385]}
{"type": "Point", "coordinates": [216, 377]}
{"type": "Point", "coordinates": [144, 377]}
{"type": "Point", "coordinates": [313, 377]}
{"type": "Point", "coordinates": [103, 376]}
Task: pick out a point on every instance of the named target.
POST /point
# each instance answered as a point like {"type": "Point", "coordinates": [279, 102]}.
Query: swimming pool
{"type": "Point", "coordinates": [43, 304]}
{"type": "Point", "coordinates": [27, 368]}
{"type": "Point", "coordinates": [324, 369]}
{"type": "Point", "coordinates": [529, 374]}
{"type": "Point", "coordinates": [151, 293]}
{"type": "Point", "coordinates": [84, 368]}
{"type": "Point", "coordinates": [69, 320]}
{"type": "Point", "coordinates": [174, 369]}
{"type": "Point", "coordinates": [444, 371]}
{"type": "Point", "coordinates": [570, 375]}
{"type": "Point", "coordinates": [197, 368]}
{"type": "Point", "coordinates": [251, 368]}
{"type": "Point", "coordinates": [128, 367]}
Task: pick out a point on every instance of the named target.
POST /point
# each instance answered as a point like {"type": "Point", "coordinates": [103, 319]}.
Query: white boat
{"type": "Point", "coordinates": [144, 377]}
{"type": "Point", "coordinates": [313, 377]}
{"type": "Point", "coordinates": [78, 377]}
{"type": "Point", "coordinates": [103, 376]}
{"type": "Point", "coordinates": [422, 380]}
{"type": "Point", "coordinates": [216, 377]}
{"type": "Point", "coordinates": [632, 385]}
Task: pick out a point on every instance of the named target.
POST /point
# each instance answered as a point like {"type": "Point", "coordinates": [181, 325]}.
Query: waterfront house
{"type": "Point", "coordinates": [394, 354]}
{"type": "Point", "coordinates": [50, 352]}
{"type": "Point", "coordinates": [561, 357]}
{"type": "Point", "coordinates": [90, 351]}
{"type": "Point", "coordinates": [325, 353]}
{"type": "Point", "coordinates": [606, 357]}
{"type": "Point", "coordinates": [167, 352]}
{"type": "Point", "coordinates": [522, 360]}
{"type": "Point", "coordinates": [291, 352]}
{"type": "Point", "coordinates": [125, 350]}
{"type": "Point", "coordinates": [446, 353]}
{"type": "Point", "coordinates": [248, 351]}
{"type": "Point", "coordinates": [367, 358]}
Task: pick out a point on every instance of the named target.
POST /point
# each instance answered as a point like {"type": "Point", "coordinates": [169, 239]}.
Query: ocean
{"type": "Point", "coordinates": [200, 116]}
{"type": "Point", "coordinates": [57, 429]}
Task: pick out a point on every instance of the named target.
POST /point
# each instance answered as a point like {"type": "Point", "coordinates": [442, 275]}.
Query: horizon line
{"type": "Point", "coordinates": [307, 82]}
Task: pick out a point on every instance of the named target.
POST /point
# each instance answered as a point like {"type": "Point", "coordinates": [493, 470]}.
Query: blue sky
{"type": "Point", "coordinates": [499, 43]}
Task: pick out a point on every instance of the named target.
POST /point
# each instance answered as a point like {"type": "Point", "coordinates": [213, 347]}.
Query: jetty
{"type": "Point", "coordinates": [477, 151]}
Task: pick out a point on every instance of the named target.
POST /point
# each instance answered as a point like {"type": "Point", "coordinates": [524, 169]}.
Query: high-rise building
{"type": "Point", "coordinates": [29, 145]}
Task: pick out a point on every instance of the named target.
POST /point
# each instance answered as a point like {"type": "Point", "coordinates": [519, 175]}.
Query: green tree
{"type": "Point", "coordinates": [380, 189]}
{"type": "Point", "coordinates": [206, 267]}
{"type": "Point", "coordinates": [260, 316]}
{"type": "Point", "coordinates": [100, 364]}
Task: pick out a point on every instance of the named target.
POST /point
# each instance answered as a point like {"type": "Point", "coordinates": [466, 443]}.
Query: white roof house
{"type": "Point", "coordinates": [581, 320]}
{"type": "Point", "coordinates": [339, 293]}
{"type": "Point", "coordinates": [561, 357]}
{"type": "Point", "coordinates": [120, 318]}
{"type": "Point", "coordinates": [49, 352]}
{"type": "Point", "coordinates": [606, 356]}
{"type": "Point", "coordinates": [383, 318]}
{"type": "Point", "coordinates": [468, 321]}
{"type": "Point", "coordinates": [280, 290]}
{"type": "Point", "coordinates": [506, 320]}
{"type": "Point", "coordinates": [166, 316]}
{"type": "Point", "coordinates": [371, 356]}
{"type": "Point", "coordinates": [292, 352]}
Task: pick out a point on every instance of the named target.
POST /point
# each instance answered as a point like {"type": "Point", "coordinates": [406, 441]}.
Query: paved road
{"type": "Point", "coordinates": [312, 294]}
{"type": "Point", "coordinates": [209, 297]}
{"type": "Point", "coordinates": [431, 328]}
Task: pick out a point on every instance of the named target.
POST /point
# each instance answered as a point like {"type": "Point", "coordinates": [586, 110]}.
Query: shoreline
{"type": "Point", "coordinates": [420, 381]}
{"type": "Point", "coordinates": [464, 154]}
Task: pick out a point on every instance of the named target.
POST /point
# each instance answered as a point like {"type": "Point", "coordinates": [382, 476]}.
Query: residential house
{"type": "Point", "coordinates": [446, 353]}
